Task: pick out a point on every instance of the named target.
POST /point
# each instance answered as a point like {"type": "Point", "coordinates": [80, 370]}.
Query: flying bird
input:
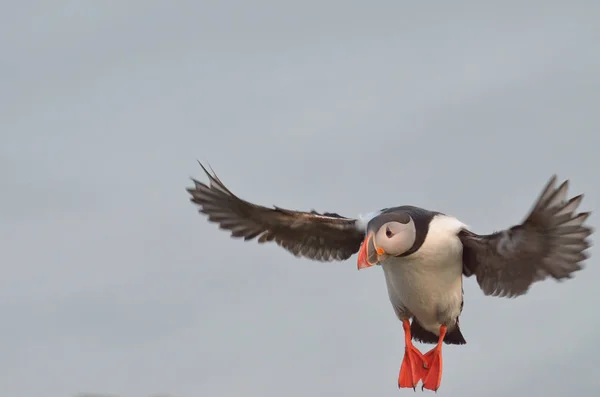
{"type": "Point", "coordinates": [424, 255]}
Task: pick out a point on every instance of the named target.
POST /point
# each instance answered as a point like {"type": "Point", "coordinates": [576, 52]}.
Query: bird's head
{"type": "Point", "coordinates": [390, 234]}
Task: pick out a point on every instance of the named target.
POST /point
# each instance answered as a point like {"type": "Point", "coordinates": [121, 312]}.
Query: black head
{"type": "Point", "coordinates": [397, 232]}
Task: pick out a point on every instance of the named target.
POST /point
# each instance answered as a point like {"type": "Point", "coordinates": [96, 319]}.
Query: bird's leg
{"type": "Point", "coordinates": [433, 376]}
{"type": "Point", "coordinates": [413, 365]}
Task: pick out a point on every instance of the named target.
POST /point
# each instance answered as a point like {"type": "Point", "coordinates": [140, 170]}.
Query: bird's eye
{"type": "Point", "coordinates": [388, 232]}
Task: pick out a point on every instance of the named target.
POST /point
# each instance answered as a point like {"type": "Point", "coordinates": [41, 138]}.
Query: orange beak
{"type": "Point", "coordinates": [369, 253]}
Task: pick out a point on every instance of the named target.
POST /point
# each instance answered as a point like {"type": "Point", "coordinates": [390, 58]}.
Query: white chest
{"type": "Point", "coordinates": [429, 282]}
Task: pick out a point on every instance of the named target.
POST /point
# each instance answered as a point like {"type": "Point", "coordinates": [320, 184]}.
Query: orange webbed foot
{"type": "Point", "coordinates": [433, 360]}
{"type": "Point", "coordinates": [433, 376]}
{"type": "Point", "coordinates": [413, 365]}
{"type": "Point", "coordinates": [413, 368]}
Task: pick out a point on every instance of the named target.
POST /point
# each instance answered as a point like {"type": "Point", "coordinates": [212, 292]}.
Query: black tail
{"type": "Point", "coordinates": [420, 334]}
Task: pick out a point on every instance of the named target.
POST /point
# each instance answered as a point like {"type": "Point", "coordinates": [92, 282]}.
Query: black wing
{"type": "Point", "coordinates": [322, 237]}
{"type": "Point", "coordinates": [550, 242]}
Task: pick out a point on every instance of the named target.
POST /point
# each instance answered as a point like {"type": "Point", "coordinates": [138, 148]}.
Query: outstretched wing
{"type": "Point", "coordinates": [550, 242]}
{"type": "Point", "coordinates": [322, 237]}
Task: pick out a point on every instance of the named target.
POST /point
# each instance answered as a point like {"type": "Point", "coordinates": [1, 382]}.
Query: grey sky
{"type": "Point", "coordinates": [111, 282]}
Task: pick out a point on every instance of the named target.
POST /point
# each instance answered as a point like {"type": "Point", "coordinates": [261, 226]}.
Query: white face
{"type": "Point", "coordinates": [395, 238]}
{"type": "Point", "coordinates": [393, 234]}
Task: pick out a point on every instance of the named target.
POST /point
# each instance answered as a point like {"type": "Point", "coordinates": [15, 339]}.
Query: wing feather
{"type": "Point", "coordinates": [550, 242]}
{"type": "Point", "coordinates": [322, 237]}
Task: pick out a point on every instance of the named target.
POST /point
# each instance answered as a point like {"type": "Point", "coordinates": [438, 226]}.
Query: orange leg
{"type": "Point", "coordinates": [433, 358]}
{"type": "Point", "coordinates": [413, 365]}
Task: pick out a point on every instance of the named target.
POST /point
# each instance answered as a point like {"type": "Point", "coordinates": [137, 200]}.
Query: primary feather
{"type": "Point", "coordinates": [550, 242]}
{"type": "Point", "coordinates": [322, 237]}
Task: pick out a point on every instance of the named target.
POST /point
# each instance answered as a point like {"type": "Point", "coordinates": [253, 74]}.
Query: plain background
{"type": "Point", "coordinates": [112, 283]}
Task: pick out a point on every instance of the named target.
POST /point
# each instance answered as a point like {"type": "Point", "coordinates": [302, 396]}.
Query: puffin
{"type": "Point", "coordinates": [424, 254]}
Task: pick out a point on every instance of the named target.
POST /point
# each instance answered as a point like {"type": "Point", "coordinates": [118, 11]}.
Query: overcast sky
{"type": "Point", "coordinates": [111, 281]}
